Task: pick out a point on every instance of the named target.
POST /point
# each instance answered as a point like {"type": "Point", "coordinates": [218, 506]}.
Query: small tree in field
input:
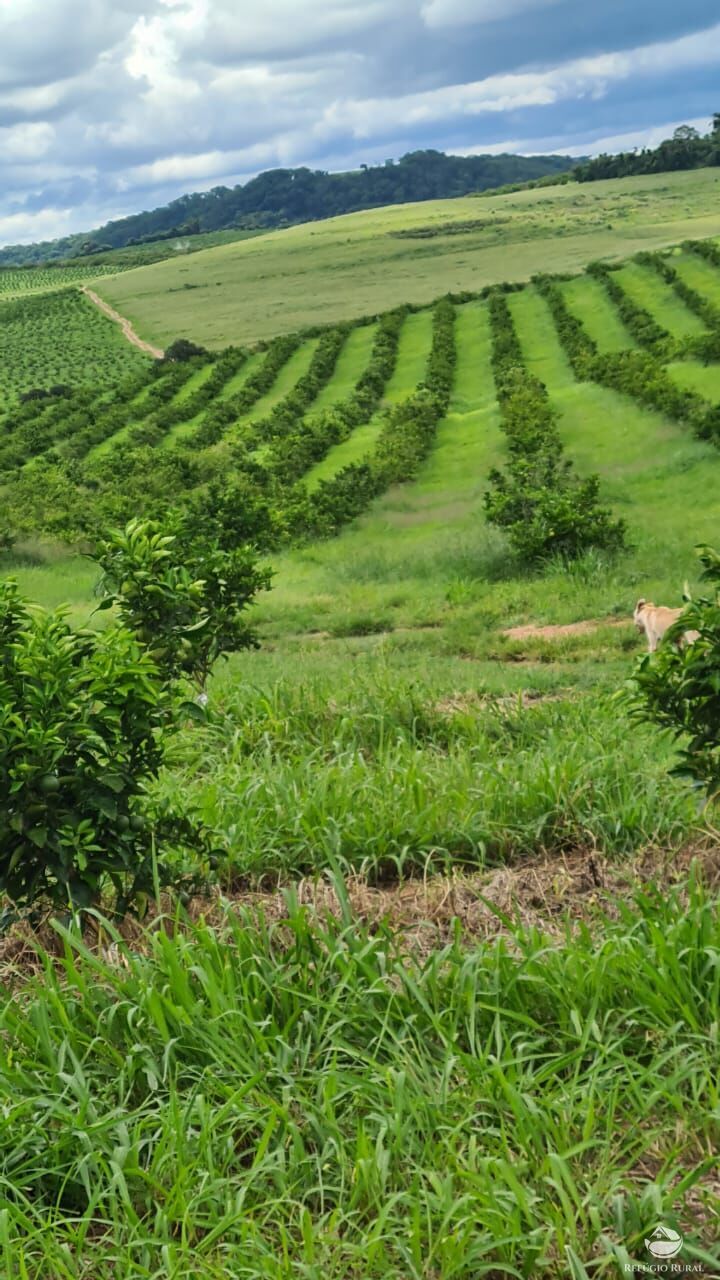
{"type": "Point", "coordinates": [182, 595]}
{"type": "Point", "coordinates": [679, 685]}
{"type": "Point", "coordinates": [546, 510]}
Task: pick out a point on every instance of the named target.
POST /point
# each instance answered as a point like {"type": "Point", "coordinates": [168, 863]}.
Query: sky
{"type": "Point", "coordinates": [108, 107]}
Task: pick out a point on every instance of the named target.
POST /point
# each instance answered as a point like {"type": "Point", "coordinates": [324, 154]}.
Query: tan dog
{"type": "Point", "coordinates": [655, 619]}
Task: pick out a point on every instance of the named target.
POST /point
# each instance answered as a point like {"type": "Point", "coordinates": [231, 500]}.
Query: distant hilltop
{"type": "Point", "coordinates": [281, 197]}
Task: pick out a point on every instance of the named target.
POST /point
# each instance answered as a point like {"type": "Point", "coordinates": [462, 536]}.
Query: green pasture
{"type": "Point", "coordinates": [324, 272]}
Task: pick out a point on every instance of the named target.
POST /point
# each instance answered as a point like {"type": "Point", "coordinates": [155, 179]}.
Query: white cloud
{"type": "Point", "coordinates": [588, 145]}
{"type": "Point", "coordinates": [24, 228]}
{"type": "Point", "coordinates": [26, 141]}
{"type": "Point", "coordinates": [633, 138]}
{"type": "Point", "coordinates": [106, 108]}
{"type": "Point", "coordinates": [579, 79]}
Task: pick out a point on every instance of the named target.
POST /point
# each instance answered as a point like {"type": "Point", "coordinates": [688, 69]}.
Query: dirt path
{"type": "Point", "coordinates": [125, 325]}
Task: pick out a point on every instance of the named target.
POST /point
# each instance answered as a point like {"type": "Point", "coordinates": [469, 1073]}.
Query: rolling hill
{"type": "Point", "coordinates": [280, 197]}
{"type": "Point", "coordinates": [363, 263]}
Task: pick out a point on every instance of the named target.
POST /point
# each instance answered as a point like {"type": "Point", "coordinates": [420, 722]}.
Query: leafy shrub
{"type": "Point", "coordinates": [679, 685]}
{"type": "Point", "coordinates": [84, 718]}
{"type": "Point", "coordinates": [181, 350]}
{"type": "Point", "coordinates": [546, 510]}
{"type": "Point", "coordinates": [182, 595]}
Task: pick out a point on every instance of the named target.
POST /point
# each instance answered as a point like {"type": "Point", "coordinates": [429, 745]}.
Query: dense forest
{"type": "Point", "coordinates": [280, 197]}
{"type": "Point", "coordinates": [687, 149]}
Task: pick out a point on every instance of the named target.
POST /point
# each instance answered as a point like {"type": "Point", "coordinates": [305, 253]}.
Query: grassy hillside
{"type": "Point", "coordinates": [478, 1034]}
{"type": "Point", "coordinates": [366, 262]}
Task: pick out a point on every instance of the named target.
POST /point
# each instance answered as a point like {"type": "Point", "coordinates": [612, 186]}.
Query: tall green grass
{"type": "Point", "coordinates": [299, 1099]}
{"type": "Point", "coordinates": [380, 776]}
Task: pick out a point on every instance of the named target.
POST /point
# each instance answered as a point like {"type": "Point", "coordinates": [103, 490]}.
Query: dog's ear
{"type": "Point", "coordinates": [640, 603]}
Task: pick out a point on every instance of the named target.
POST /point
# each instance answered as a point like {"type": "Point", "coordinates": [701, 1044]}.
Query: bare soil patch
{"type": "Point", "coordinates": [530, 631]}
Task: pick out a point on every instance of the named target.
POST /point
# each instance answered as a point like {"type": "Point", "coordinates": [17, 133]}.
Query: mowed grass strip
{"type": "Point", "coordinates": [589, 302]}
{"type": "Point", "coordinates": [654, 471]}
{"type": "Point", "coordinates": [238, 380]}
{"type": "Point", "coordinates": [413, 352]}
{"type": "Point", "coordinates": [292, 371]}
{"type": "Point", "coordinates": [352, 363]}
{"type": "Point", "coordinates": [645, 287]}
{"type": "Point", "coordinates": [182, 429]}
{"type": "Point", "coordinates": [699, 274]}
{"type": "Point", "coordinates": [692, 375]}
{"type": "Point", "coordinates": [450, 484]}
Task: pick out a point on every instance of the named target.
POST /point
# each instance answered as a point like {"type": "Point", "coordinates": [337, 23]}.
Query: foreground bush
{"type": "Point", "coordinates": [83, 722]}
{"type": "Point", "coordinates": [679, 686]}
{"type": "Point", "coordinates": [85, 716]}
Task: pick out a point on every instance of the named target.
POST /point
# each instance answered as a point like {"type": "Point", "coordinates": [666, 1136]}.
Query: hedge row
{"type": "Point", "coordinates": [708, 249]}
{"type": "Point", "coordinates": [694, 301]}
{"type": "Point", "coordinates": [311, 439]}
{"type": "Point", "coordinates": [289, 411]}
{"type": "Point", "coordinates": [638, 322]}
{"type": "Point", "coordinates": [153, 430]}
{"type": "Point", "coordinates": [103, 422]}
{"type": "Point", "coordinates": [538, 501]}
{"type": "Point", "coordinates": [579, 347]}
{"type": "Point", "coordinates": [404, 442]}
{"type": "Point", "coordinates": [635, 373]}
{"type": "Point", "coordinates": [223, 413]}
{"type": "Point", "coordinates": [82, 418]}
